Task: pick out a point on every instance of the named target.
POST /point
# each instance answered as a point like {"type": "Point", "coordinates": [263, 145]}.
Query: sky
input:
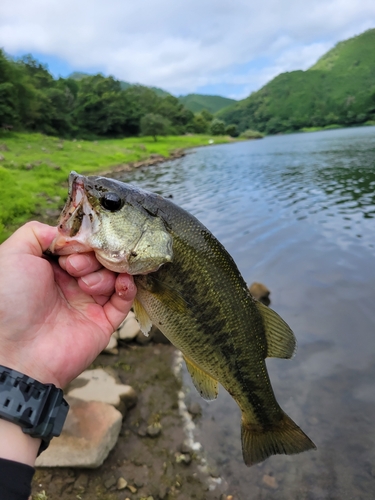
{"type": "Point", "coordinates": [218, 47]}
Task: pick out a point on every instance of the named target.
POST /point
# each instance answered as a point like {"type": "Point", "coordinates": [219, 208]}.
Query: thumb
{"type": "Point", "coordinates": [32, 238]}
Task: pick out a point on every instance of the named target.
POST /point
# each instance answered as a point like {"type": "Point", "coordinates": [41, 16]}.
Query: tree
{"type": "Point", "coordinates": [154, 125]}
{"type": "Point", "coordinates": [217, 127]}
{"type": "Point", "coordinates": [199, 124]}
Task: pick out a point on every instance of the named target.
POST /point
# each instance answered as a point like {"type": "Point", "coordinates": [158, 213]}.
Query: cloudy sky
{"type": "Point", "coordinates": [223, 47]}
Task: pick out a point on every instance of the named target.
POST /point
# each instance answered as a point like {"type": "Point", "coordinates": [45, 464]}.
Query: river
{"type": "Point", "coordinates": [296, 212]}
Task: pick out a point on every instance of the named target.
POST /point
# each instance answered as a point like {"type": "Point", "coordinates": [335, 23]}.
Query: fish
{"type": "Point", "coordinates": [190, 288]}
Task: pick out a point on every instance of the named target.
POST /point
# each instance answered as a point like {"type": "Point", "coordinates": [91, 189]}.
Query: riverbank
{"type": "Point", "coordinates": [161, 467]}
{"type": "Point", "coordinates": [34, 168]}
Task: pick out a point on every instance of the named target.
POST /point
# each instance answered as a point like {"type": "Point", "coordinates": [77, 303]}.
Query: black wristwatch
{"type": "Point", "coordinates": [39, 409]}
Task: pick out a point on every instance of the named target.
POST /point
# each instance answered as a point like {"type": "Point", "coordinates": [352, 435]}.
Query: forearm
{"type": "Point", "coordinates": [17, 446]}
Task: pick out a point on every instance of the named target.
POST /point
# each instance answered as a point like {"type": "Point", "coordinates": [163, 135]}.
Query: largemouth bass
{"type": "Point", "coordinates": [191, 289]}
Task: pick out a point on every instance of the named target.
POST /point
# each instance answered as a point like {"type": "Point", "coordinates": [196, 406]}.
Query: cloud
{"type": "Point", "coordinates": [183, 46]}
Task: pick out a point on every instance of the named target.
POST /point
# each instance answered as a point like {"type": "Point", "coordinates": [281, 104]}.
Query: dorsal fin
{"type": "Point", "coordinates": [142, 317]}
{"type": "Point", "coordinates": [281, 342]}
{"type": "Point", "coordinates": [204, 383]}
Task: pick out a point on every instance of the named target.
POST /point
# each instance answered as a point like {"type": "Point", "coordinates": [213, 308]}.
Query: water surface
{"type": "Point", "coordinates": [297, 213]}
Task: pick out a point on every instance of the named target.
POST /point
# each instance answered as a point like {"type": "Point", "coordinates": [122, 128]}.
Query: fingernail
{"type": "Point", "coordinates": [78, 262]}
{"type": "Point", "coordinates": [92, 279]}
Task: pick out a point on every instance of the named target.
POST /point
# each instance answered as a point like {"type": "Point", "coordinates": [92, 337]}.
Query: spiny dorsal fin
{"type": "Point", "coordinates": [144, 321]}
{"type": "Point", "coordinates": [281, 342]}
{"type": "Point", "coordinates": [204, 383]}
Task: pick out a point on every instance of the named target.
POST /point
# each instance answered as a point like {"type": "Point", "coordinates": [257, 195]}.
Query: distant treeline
{"type": "Point", "coordinates": [32, 100]}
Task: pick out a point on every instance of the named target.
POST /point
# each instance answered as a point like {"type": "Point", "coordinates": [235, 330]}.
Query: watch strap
{"type": "Point", "coordinates": [40, 409]}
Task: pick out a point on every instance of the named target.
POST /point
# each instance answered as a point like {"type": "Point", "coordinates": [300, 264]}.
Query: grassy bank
{"type": "Point", "coordinates": [34, 168]}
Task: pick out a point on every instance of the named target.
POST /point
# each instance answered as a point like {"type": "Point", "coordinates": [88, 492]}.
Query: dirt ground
{"type": "Point", "coordinates": [151, 459]}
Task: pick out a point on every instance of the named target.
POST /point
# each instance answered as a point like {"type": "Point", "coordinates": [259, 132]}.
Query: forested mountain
{"type": "Point", "coordinates": [338, 89]}
{"type": "Point", "coordinates": [212, 103]}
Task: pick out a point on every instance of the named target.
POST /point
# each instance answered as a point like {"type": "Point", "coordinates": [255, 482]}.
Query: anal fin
{"type": "Point", "coordinates": [204, 383]}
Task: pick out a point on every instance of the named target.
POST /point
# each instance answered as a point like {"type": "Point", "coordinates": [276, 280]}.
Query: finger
{"type": "Point", "coordinates": [80, 264]}
{"type": "Point", "coordinates": [70, 288]}
{"type": "Point", "coordinates": [101, 299]}
{"type": "Point", "coordinates": [33, 238]}
{"type": "Point", "coordinates": [101, 282]}
{"type": "Point", "coordinates": [120, 303]}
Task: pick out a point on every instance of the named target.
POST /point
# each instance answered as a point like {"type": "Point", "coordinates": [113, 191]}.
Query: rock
{"type": "Point", "coordinates": [129, 329]}
{"type": "Point", "coordinates": [183, 458]}
{"type": "Point", "coordinates": [112, 345]}
{"type": "Point", "coordinates": [81, 482]}
{"type": "Point", "coordinates": [195, 409]}
{"type": "Point", "coordinates": [143, 339]}
{"type": "Point", "coordinates": [121, 483]}
{"type": "Point", "coordinates": [132, 488]}
{"type": "Point", "coordinates": [2, 158]}
{"type": "Point", "coordinates": [269, 481]}
{"type": "Point", "coordinates": [154, 430]}
{"type": "Point", "coordinates": [111, 481]}
{"type": "Point", "coordinates": [185, 447]}
{"type": "Point", "coordinates": [98, 385]}
{"type": "Point", "coordinates": [260, 292]}
{"type": "Point", "coordinates": [4, 147]}
{"type": "Point", "coordinates": [89, 434]}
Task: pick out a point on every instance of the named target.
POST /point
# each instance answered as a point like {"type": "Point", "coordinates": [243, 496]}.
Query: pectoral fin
{"type": "Point", "coordinates": [204, 383]}
{"type": "Point", "coordinates": [142, 317]}
{"type": "Point", "coordinates": [281, 342]}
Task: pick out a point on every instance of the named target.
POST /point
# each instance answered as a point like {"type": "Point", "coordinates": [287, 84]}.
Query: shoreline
{"type": "Point", "coordinates": [169, 466]}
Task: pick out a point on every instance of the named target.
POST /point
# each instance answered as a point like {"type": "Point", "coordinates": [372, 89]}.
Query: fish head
{"type": "Point", "coordinates": [115, 220]}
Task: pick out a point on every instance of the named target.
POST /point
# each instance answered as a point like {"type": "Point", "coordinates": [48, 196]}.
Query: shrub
{"type": "Point", "coordinates": [217, 127]}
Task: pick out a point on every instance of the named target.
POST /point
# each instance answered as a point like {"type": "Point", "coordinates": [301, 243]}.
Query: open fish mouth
{"type": "Point", "coordinates": [77, 222]}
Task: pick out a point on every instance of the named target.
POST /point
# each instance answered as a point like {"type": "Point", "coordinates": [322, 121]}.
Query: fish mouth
{"type": "Point", "coordinates": [77, 222]}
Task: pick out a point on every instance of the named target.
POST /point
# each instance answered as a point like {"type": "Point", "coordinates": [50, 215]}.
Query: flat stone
{"type": "Point", "coordinates": [121, 483]}
{"type": "Point", "coordinates": [98, 385]}
{"type": "Point", "coordinates": [129, 329]}
{"type": "Point", "coordinates": [89, 434]}
{"type": "Point", "coordinates": [111, 481]}
{"type": "Point", "coordinates": [270, 481]}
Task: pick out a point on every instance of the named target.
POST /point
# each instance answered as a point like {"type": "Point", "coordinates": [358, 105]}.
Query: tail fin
{"type": "Point", "coordinates": [259, 443]}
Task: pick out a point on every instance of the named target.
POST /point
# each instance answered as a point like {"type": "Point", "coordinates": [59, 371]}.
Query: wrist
{"type": "Point", "coordinates": [17, 446]}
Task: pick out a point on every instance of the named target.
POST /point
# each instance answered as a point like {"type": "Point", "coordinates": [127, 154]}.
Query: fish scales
{"type": "Point", "coordinates": [214, 312]}
{"type": "Point", "coordinates": [190, 287]}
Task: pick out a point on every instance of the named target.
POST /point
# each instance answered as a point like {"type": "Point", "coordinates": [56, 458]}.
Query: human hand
{"type": "Point", "coordinates": [55, 319]}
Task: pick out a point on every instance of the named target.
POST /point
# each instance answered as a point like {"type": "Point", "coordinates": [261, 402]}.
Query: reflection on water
{"type": "Point", "coordinates": [296, 212]}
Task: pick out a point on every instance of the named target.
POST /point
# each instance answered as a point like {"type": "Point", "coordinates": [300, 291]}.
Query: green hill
{"type": "Point", "coordinates": [213, 103]}
{"type": "Point", "coordinates": [338, 90]}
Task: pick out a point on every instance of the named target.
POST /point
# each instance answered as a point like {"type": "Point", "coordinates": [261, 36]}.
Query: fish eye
{"type": "Point", "coordinates": [111, 202]}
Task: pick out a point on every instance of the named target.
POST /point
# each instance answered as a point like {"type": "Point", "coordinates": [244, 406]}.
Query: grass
{"type": "Point", "coordinates": [34, 168]}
